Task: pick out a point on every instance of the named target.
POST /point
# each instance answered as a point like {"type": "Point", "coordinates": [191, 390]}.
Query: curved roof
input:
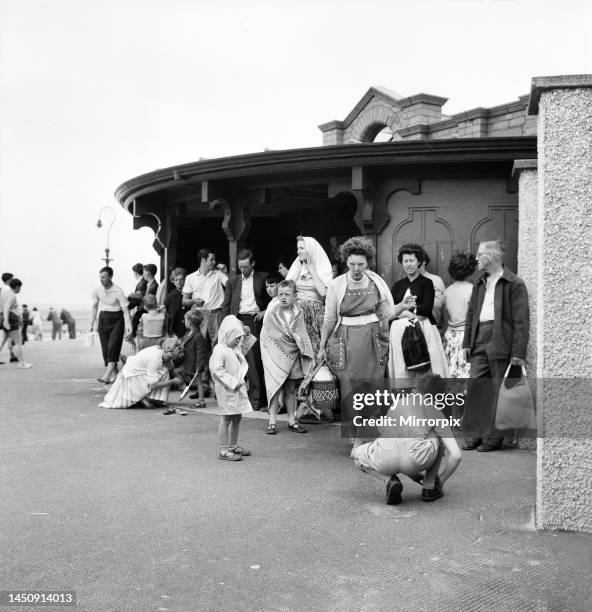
{"type": "Point", "coordinates": [296, 161]}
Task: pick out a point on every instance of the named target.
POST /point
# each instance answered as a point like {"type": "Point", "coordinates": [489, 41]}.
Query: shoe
{"type": "Point", "coordinates": [24, 365]}
{"type": "Point", "coordinates": [229, 455]}
{"type": "Point", "coordinates": [13, 359]}
{"type": "Point", "coordinates": [171, 410]}
{"type": "Point", "coordinates": [488, 448]}
{"type": "Point", "coordinates": [181, 413]}
{"type": "Point", "coordinates": [429, 495]}
{"type": "Point", "coordinates": [271, 429]}
{"type": "Point", "coordinates": [239, 450]}
{"type": "Point", "coordinates": [394, 487]}
{"type": "Point", "coordinates": [472, 445]}
{"type": "Point", "coordinates": [297, 428]}
{"type": "Point", "coordinates": [199, 404]}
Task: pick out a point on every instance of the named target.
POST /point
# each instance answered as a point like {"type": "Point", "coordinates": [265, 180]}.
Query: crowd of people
{"type": "Point", "coordinates": [250, 339]}
{"type": "Point", "coordinates": [17, 321]}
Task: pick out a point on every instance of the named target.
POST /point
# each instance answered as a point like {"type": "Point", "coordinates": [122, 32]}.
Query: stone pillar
{"type": "Point", "coordinates": [564, 298]}
{"type": "Point", "coordinates": [525, 170]}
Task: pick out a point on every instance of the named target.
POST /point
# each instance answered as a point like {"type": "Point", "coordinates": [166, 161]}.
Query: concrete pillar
{"type": "Point", "coordinates": [564, 298]}
{"type": "Point", "coordinates": [525, 170]}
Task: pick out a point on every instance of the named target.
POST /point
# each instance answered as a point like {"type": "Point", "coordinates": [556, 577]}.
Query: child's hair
{"type": "Point", "coordinates": [150, 302]}
{"type": "Point", "coordinates": [273, 279]}
{"type": "Point", "coordinates": [288, 283]}
{"type": "Point", "coordinates": [431, 384]}
{"type": "Point", "coordinates": [195, 317]}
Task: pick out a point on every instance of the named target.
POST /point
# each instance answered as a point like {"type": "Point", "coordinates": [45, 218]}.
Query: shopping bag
{"type": "Point", "coordinates": [414, 346]}
{"type": "Point", "coordinates": [89, 338]}
{"type": "Point", "coordinates": [515, 407]}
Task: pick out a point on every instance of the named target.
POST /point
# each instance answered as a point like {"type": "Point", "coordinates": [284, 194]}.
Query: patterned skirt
{"type": "Point", "coordinates": [453, 341]}
{"type": "Point", "coordinates": [397, 369]}
{"type": "Point", "coordinates": [314, 313]}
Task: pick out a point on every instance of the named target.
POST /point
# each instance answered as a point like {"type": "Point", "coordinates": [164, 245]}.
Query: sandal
{"type": "Point", "coordinates": [239, 450]}
{"type": "Point", "coordinates": [297, 428]}
{"type": "Point", "coordinates": [271, 429]}
{"type": "Point", "coordinates": [200, 404]}
{"type": "Point", "coordinates": [229, 455]}
{"type": "Point", "coordinates": [171, 410]}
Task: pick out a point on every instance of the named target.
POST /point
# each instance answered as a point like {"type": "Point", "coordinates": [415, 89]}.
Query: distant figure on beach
{"type": "Point", "coordinates": [12, 321]}
{"type": "Point", "coordinates": [69, 320]}
{"type": "Point", "coordinates": [36, 324]}
{"type": "Point", "coordinates": [56, 324]}
{"type": "Point", "coordinates": [26, 316]}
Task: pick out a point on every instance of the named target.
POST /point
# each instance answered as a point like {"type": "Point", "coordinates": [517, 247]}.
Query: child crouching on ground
{"type": "Point", "coordinates": [228, 368]}
{"type": "Point", "coordinates": [418, 456]}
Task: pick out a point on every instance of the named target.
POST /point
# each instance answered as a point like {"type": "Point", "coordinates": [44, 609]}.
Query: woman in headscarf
{"type": "Point", "coordinates": [228, 368]}
{"type": "Point", "coordinates": [312, 272]}
{"type": "Point", "coordinates": [144, 380]}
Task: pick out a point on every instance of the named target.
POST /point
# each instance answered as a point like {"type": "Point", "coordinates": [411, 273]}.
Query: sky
{"type": "Point", "coordinates": [95, 92]}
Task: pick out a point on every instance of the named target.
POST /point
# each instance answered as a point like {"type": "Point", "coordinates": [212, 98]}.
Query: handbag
{"type": "Point", "coordinates": [414, 346]}
{"type": "Point", "coordinates": [515, 407]}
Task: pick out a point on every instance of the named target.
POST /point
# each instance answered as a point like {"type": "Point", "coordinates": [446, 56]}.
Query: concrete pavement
{"type": "Point", "coordinates": [133, 511]}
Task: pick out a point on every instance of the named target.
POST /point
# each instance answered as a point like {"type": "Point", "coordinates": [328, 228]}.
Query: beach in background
{"type": "Point", "coordinates": [80, 313]}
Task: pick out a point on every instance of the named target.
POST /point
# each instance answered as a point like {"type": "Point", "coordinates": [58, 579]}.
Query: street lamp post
{"type": "Point", "coordinates": [106, 259]}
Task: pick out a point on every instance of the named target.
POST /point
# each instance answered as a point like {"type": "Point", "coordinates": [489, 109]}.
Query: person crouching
{"type": "Point", "coordinates": [418, 455]}
{"type": "Point", "coordinates": [228, 368]}
{"type": "Point", "coordinates": [144, 381]}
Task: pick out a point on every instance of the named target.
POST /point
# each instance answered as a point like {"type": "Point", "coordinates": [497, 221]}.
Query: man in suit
{"type": "Point", "coordinates": [496, 335]}
{"type": "Point", "coordinates": [246, 298]}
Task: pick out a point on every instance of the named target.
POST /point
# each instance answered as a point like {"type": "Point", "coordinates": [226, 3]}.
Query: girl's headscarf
{"type": "Point", "coordinates": [318, 258]}
{"type": "Point", "coordinates": [230, 329]}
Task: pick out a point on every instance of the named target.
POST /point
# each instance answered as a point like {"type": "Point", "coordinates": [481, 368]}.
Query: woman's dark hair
{"type": "Point", "coordinates": [13, 283]}
{"type": "Point", "coordinates": [6, 277]}
{"type": "Point", "coordinates": [285, 261]}
{"type": "Point", "coordinates": [138, 268]}
{"type": "Point", "coordinates": [270, 279]}
{"type": "Point", "coordinates": [412, 249]}
{"type": "Point", "coordinates": [150, 268]}
{"type": "Point", "coordinates": [461, 265]}
{"type": "Point", "coordinates": [358, 245]}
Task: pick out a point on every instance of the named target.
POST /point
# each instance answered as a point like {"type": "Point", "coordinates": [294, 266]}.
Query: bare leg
{"type": "Point", "coordinates": [235, 420]}
{"type": "Point", "coordinates": [290, 401]}
{"type": "Point", "coordinates": [273, 408]}
{"type": "Point", "coordinates": [223, 431]}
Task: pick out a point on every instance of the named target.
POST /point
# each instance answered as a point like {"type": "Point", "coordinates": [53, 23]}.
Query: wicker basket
{"type": "Point", "coordinates": [324, 390]}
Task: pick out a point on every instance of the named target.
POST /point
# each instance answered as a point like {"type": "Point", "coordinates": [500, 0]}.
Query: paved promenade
{"type": "Point", "coordinates": [133, 511]}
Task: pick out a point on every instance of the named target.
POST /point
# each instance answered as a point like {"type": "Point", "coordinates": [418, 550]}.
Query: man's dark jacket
{"type": "Point", "coordinates": [510, 324]}
{"type": "Point", "coordinates": [232, 293]}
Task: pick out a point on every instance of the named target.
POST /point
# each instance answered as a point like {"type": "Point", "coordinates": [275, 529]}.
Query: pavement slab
{"type": "Point", "coordinates": [133, 510]}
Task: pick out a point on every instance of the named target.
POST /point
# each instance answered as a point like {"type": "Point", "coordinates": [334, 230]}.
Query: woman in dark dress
{"type": "Point", "coordinates": [421, 292]}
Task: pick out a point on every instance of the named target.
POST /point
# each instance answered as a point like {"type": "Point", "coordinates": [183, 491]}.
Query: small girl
{"type": "Point", "coordinates": [152, 326]}
{"type": "Point", "coordinates": [228, 368]}
{"type": "Point", "coordinates": [195, 354]}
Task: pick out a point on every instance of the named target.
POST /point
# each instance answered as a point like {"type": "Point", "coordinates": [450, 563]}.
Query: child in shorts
{"type": "Point", "coordinates": [418, 457]}
{"type": "Point", "coordinates": [153, 324]}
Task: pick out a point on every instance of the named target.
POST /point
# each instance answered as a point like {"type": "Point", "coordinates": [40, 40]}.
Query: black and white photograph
{"type": "Point", "coordinates": [295, 311]}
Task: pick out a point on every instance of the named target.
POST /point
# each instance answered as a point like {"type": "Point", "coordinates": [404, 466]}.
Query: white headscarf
{"type": "Point", "coordinates": [317, 257]}
{"type": "Point", "coordinates": [230, 329]}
